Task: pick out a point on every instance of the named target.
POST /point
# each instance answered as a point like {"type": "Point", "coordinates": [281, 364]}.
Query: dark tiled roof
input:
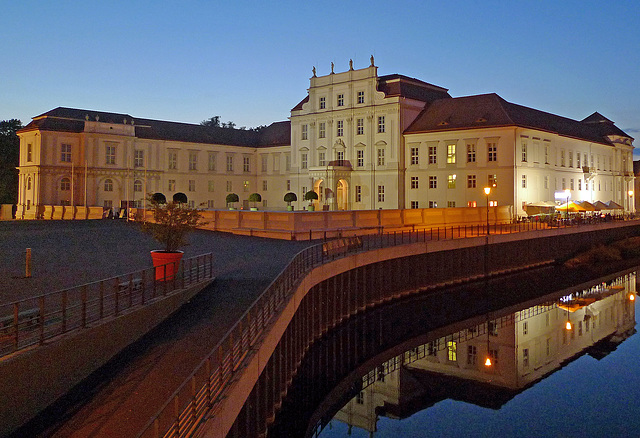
{"type": "Point", "coordinates": [399, 85]}
{"type": "Point", "coordinates": [298, 107]}
{"type": "Point", "coordinates": [490, 110]}
{"type": "Point", "coordinates": [72, 120]}
{"type": "Point", "coordinates": [604, 125]}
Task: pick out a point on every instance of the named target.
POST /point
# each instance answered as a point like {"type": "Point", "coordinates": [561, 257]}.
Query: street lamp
{"type": "Point", "coordinates": [487, 190]}
{"type": "Point", "coordinates": [630, 192]}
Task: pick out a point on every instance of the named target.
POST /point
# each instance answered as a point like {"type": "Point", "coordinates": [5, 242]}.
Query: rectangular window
{"type": "Point", "coordinates": [173, 160]}
{"type": "Point", "coordinates": [451, 154]}
{"type": "Point", "coordinates": [360, 158]}
{"type": "Point", "coordinates": [358, 193]}
{"type": "Point", "coordinates": [305, 132]}
{"type": "Point", "coordinates": [323, 102]}
{"type": "Point", "coordinates": [264, 185]}
{"type": "Point", "coordinates": [433, 154]}
{"type": "Point", "coordinates": [492, 149]}
{"type": "Point", "coordinates": [524, 151]}
{"type": "Point", "coordinates": [211, 186]}
{"type": "Point", "coordinates": [110, 154]}
{"type": "Point", "coordinates": [245, 186]}
{"type": "Point", "coordinates": [172, 185]}
{"type": "Point", "coordinates": [212, 162]}
{"type": "Point", "coordinates": [192, 185]}
{"type": "Point", "coordinates": [229, 163]}
{"type": "Point", "coordinates": [360, 96]}
{"type": "Point", "coordinates": [433, 182]}
{"type": "Point", "coordinates": [571, 185]}
{"type": "Point", "coordinates": [493, 180]}
{"type": "Point", "coordinates": [359, 126]}
{"type": "Point", "coordinates": [525, 358]}
{"type": "Point", "coordinates": [579, 184]}
{"type": "Point", "coordinates": [452, 352]}
{"type": "Point", "coordinates": [339, 128]}
{"type": "Point", "coordinates": [472, 204]}
{"type": "Point", "coordinates": [381, 127]}
{"type": "Point", "coordinates": [524, 181]}
{"type": "Point", "coordinates": [525, 328]}
{"type": "Point", "coordinates": [451, 181]}
{"type": "Point", "coordinates": [380, 193]}
{"type": "Point", "coordinates": [414, 204]}
{"type": "Point", "coordinates": [471, 153]}
{"type": "Point", "coordinates": [340, 99]}
{"type": "Point", "coordinates": [287, 162]}
{"type": "Point", "coordinates": [578, 160]}
{"type": "Point", "coordinates": [29, 152]}
{"type": "Point", "coordinates": [264, 162]}
{"type": "Point", "coordinates": [288, 184]}
{"type": "Point", "coordinates": [414, 155]}
{"type": "Point", "coordinates": [380, 157]}
{"type": "Point", "coordinates": [451, 204]}
{"type": "Point", "coordinates": [546, 154]}
{"type": "Point", "coordinates": [193, 160]}
{"type": "Point", "coordinates": [340, 157]}
{"type": "Point", "coordinates": [546, 181]}
{"type": "Point", "coordinates": [210, 203]}
{"type": "Point", "coordinates": [414, 182]}
{"type": "Point", "coordinates": [472, 354]}
{"type": "Point", "coordinates": [65, 153]}
{"type": "Point", "coordinates": [138, 158]}
{"type": "Point", "coordinates": [303, 161]}
{"type": "Point", "coordinates": [229, 186]}
{"type": "Point", "coordinates": [562, 157]}
{"type": "Point", "coordinates": [433, 204]}
{"type": "Point", "coordinates": [570, 158]}
{"type": "Point", "coordinates": [321, 159]}
{"type": "Point", "coordinates": [493, 203]}
{"type": "Point", "coordinates": [322, 130]}
{"type": "Point", "coordinates": [471, 181]}
{"type": "Point", "coordinates": [246, 164]}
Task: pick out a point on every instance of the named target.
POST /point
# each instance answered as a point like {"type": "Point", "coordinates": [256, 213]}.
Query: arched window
{"type": "Point", "coordinates": [108, 185]}
{"type": "Point", "coordinates": [137, 186]}
{"type": "Point", "coordinates": [65, 184]}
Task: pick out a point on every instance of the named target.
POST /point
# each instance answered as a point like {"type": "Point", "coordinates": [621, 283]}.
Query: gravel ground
{"type": "Point", "coordinates": [121, 397]}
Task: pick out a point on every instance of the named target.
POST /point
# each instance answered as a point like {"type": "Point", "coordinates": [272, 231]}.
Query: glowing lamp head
{"type": "Point", "coordinates": [568, 325]}
{"type": "Point", "coordinates": [630, 192]}
{"type": "Point", "coordinates": [632, 297]}
{"type": "Point", "coordinates": [487, 363]}
{"type": "Point", "coordinates": [487, 190]}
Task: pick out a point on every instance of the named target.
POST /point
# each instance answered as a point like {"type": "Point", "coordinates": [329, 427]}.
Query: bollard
{"type": "Point", "coordinates": [27, 273]}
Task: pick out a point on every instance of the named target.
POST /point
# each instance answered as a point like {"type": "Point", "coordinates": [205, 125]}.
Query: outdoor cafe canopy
{"type": "Point", "coordinates": [573, 207]}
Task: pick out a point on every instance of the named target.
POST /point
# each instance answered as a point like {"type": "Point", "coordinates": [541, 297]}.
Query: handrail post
{"type": "Point", "coordinates": [83, 296]}
{"type": "Point", "coordinates": [176, 413]}
{"type": "Point", "coordinates": [41, 316]}
{"type": "Point", "coordinates": [116, 296]}
{"type": "Point", "coordinates": [64, 311]}
{"type": "Point", "coordinates": [16, 312]}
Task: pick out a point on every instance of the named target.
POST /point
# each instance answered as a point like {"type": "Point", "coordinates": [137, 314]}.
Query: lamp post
{"type": "Point", "coordinates": [568, 193]}
{"type": "Point", "coordinates": [487, 190]}
{"type": "Point", "coordinates": [630, 192]}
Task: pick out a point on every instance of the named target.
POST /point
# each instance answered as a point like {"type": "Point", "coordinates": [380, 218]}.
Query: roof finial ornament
{"type": "Point", "coordinates": [372, 65]}
{"type": "Point", "coordinates": [351, 64]}
{"type": "Point", "coordinates": [86, 117]}
{"type": "Point", "coordinates": [314, 71]}
{"type": "Point", "coordinates": [97, 118]}
{"type": "Point", "coordinates": [332, 68]}
{"type": "Point", "coordinates": [124, 121]}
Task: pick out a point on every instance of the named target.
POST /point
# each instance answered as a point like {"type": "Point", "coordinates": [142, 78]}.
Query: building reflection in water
{"type": "Point", "coordinates": [525, 346]}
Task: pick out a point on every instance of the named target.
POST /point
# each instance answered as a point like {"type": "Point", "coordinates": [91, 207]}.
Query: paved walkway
{"type": "Point", "coordinates": [119, 399]}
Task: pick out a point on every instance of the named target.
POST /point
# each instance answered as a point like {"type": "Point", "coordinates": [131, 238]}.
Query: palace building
{"type": "Point", "coordinates": [359, 140]}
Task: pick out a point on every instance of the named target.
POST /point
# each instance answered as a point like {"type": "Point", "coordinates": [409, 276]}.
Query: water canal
{"type": "Point", "coordinates": [417, 367]}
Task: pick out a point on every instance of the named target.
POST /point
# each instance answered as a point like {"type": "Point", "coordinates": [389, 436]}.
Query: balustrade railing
{"type": "Point", "coordinates": [32, 321]}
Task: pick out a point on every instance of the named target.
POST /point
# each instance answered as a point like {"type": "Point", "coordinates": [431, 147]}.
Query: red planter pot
{"type": "Point", "coordinates": [166, 264]}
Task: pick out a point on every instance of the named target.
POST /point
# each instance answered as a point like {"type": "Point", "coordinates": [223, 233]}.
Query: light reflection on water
{"type": "Point", "coordinates": [580, 395]}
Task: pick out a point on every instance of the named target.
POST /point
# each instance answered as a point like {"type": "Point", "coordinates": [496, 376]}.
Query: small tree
{"type": "Point", "coordinates": [232, 198]}
{"type": "Point", "coordinates": [255, 197]}
{"type": "Point", "coordinates": [310, 196]}
{"type": "Point", "coordinates": [172, 222]}
{"type": "Point", "coordinates": [290, 197]}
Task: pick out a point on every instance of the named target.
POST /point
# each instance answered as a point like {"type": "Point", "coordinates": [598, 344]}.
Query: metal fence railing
{"type": "Point", "coordinates": [186, 409]}
{"type": "Point", "coordinates": [32, 321]}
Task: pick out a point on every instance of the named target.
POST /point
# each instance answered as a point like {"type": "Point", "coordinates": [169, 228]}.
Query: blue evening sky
{"type": "Point", "coordinates": [250, 62]}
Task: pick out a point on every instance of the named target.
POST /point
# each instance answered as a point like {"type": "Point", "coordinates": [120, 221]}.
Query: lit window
{"type": "Point", "coordinates": [414, 182]}
{"type": "Point", "coordinates": [471, 153]}
{"type": "Point", "coordinates": [451, 181]}
{"type": "Point", "coordinates": [451, 153]}
{"type": "Point", "coordinates": [65, 184]}
{"type": "Point", "coordinates": [493, 203]}
{"type": "Point", "coordinates": [108, 185]}
{"type": "Point", "coordinates": [29, 152]}
{"type": "Point", "coordinates": [322, 130]}
{"type": "Point", "coordinates": [193, 160]}
{"type": "Point", "coordinates": [493, 180]}
{"type": "Point", "coordinates": [110, 154]}
{"type": "Point", "coordinates": [245, 186]}
{"type": "Point", "coordinates": [452, 353]}
{"type": "Point", "coordinates": [381, 128]}
{"type": "Point", "coordinates": [414, 155]}
{"type": "Point", "coordinates": [65, 153]}
{"type": "Point", "coordinates": [138, 158]}
{"type": "Point", "coordinates": [433, 154]}
{"type": "Point", "coordinates": [472, 204]}
{"type": "Point", "coordinates": [360, 96]}
{"type": "Point", "coordinates": [173, 160]}
{"type": "Point", "coordinates": [471, 181]}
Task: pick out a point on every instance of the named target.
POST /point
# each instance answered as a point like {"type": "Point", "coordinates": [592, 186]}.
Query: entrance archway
{"type": "Point", "coordinates": [342, 195]}
{"type": "Point", "coordinates": [318, 187]}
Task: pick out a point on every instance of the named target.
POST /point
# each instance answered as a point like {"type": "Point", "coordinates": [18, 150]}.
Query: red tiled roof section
{"type": "Point", "coordinates": [490, 110]}
{"type": "Point", "coordinates": [72, 120]}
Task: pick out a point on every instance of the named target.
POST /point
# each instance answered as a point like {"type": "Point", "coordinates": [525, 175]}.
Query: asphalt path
{"type": "Point", "coordinates": [119, 399]}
